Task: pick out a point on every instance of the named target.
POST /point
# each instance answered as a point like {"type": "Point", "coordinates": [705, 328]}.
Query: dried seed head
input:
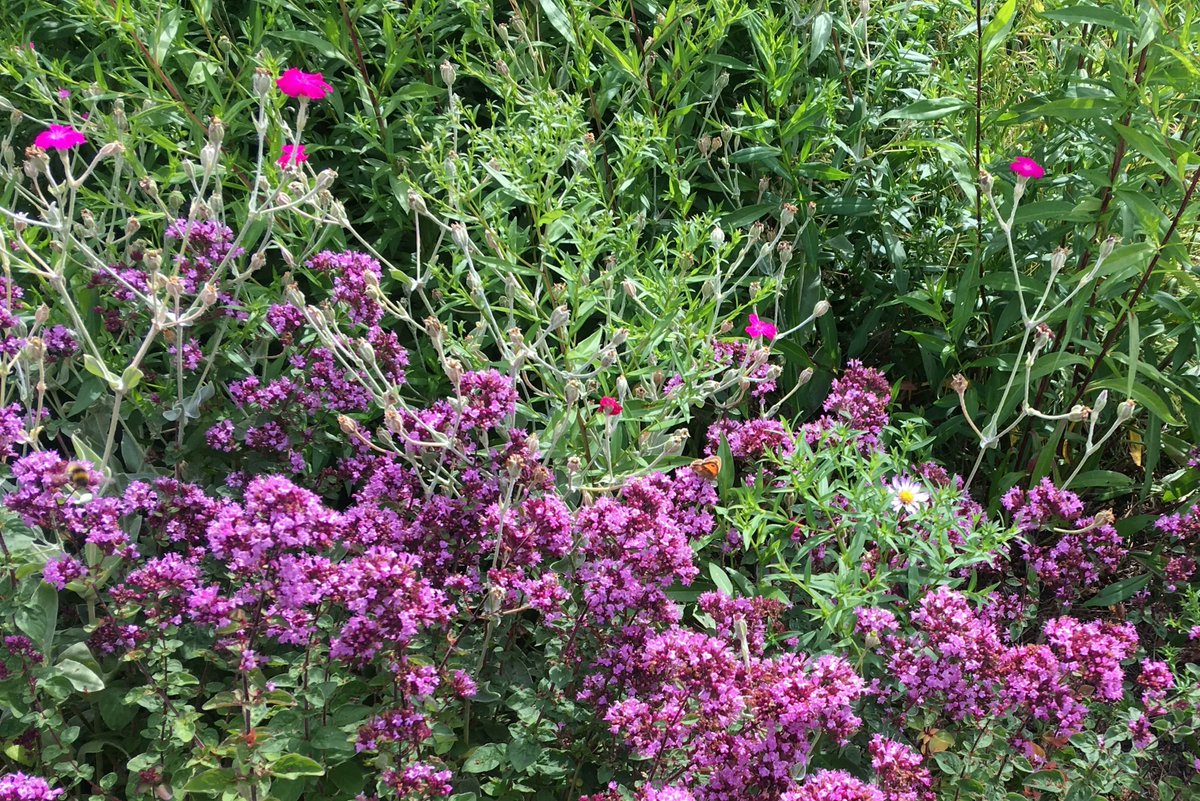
{"type": "Point", "coordinates": [959, 383]}
{"type": "Point", "coordinates": [448, 74]}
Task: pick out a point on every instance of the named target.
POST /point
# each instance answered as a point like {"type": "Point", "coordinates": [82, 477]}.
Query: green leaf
{"type": "Point", "coordinates": [293, 766]}
{"type": "Point", "coordinates": [1148, 147]}
{"type": "Point", "coordinates": [96, 368]}
{"type": "Point", "coordinates": [130, 378]}
{"type": "Point", "coordinates": [997, 30]}
{"type": "Point", "coordinates": [522, 753]}
{"type": "Point", "coordinates": [1078, 108]}
{"type": "Point", "coordinates": [214, 780]}
{"type": "Point", "coordinates": [822, 27]}
{"type": "Point", "coordinates": [1122, 590]}
{"type": "Point", "coordinates": [484, 758]}
{"type": "Point", "coordinates": [930, 109]}
{"type": "Point", "coordinates": [1087, 14]}
{"type": "Point", "coordinates": [40, 619]}
{"type": "Point", "coordinates": [82, 677]}
{"type": "Point", "coordinates": [720, 579]}
{"type": "Point", "coordinates": [559, 19]}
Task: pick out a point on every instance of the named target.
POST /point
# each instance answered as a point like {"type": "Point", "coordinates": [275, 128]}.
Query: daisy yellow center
{"type": "Point", "coordinates": [907, 496]}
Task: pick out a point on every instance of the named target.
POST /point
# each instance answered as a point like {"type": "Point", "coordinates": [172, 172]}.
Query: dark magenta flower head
{"type": "Point", "coordinates": [610, 406]}
{"type": "Point", "coordinates": [761, 328]}
{"type": "Point", "coordinates": [59, 137]}
{"type": "Point", "coordinates": [297, 83]}
{"type": "Point", "coordinates": [1027, 167]}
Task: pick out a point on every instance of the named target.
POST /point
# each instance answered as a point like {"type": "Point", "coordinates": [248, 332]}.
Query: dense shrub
{"type": "Point", "coordinates": [733, 401]}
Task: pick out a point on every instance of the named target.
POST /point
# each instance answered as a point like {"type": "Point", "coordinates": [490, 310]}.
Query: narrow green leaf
{"type": "Point", "coordinates": [1088, 14]}
{"type": "Point", "coordinates": [559, 19]}
{"type": "Point", "coordinates": [929, 109]}
{"type": "Point", "coordinates": [1122, 590]}
{"type": "Point", "coordinates": [997, 30]}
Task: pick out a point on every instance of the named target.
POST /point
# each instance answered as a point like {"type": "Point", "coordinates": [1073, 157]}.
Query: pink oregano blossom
{"type": "Point", "coordinates": [59, 137]}
{"type": "Point", "coordinates": [296, 83]}
{"type": "Point", "coordinates": [1026, 167]}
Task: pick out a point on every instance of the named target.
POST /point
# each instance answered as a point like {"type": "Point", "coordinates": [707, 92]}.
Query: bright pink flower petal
{"type": "Point", "coordinates": [610, 406]}
{"type": "Point", "coordinates": [292, 154]}
{"type": "Point", "coordinates": [761, 328]}
{"type": "Point", "coordinates": [59, 137]}
{"type": "Point", "coordinates": [1027, 167]}
{"type": "Point", "coordinates": [296, 83]}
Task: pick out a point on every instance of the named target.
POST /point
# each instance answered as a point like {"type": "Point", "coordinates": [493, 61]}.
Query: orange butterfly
{"type": "Point", "coordinates": [708, 468]}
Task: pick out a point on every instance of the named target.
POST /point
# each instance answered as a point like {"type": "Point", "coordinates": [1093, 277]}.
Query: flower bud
{"type": "Point", "coordinates": [152, 259]}
{"type": "Point", "coordinates": [208, 294]}
{"type": "Point", "coordinates": [821, 309]}
{"type": "Point", "coordinates": [325, 179]}
{"type": "Point", "coordinates": [805, 376]}
{"type": "Point", "coordinates": [1107, 246]}
{"type": "Point", "coordinates": [631, 289]}
{"type": "Point", "coordinates": [448, 74]}
{"type": "Point", "coordinates": [262, 82]}
{"type": "Point", "coordinates": [985, 182]}
{"type": "Point", "coordinates": [458, 232]}
{"type": "Point", "coordinates": [721, 82]}
{"type": "Point", "coordinates": [787, 214]}
{"type": "Point", "coordinates": [1125, 410]}
{"type": "Point", "coordinates": [622, 388]}
{"type": "Point", "coordinates": [558, 318]}
{"type": "Point", "coordinates": [717, 237]}
{"type": "Point", "coordinates": [572, 391]}
{"type": "Point", "coordinates": [784, 252]}
{"type": "Point", "coordinates": [1057, 260]}
{"type": "Point", "coordinates": [1100, 402]}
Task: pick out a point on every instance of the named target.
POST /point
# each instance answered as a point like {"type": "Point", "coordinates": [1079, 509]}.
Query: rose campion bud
{"type": "Point", "coordinates": [821, 309]}
{"type": "Point", "coordinates": [448, 74]}
{"type": "Point", "coordinates": [717, 236]}
{"type": "Point", "coordinates": [1107, 246]}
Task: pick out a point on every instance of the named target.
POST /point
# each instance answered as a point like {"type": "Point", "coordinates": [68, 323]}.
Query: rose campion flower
{"type": "Point", "coordinates": [59, 137]}
{"type": "Point", "coordinates": [296, 83]}
{"type": "Point", "coordinates": [610, 406]}
{"type": "Point", "coordinates": [292, 154]}
{"type": "Point", "coordinates": [1027, 167]}
{"type": "Point", "coordinates": [761, 328]}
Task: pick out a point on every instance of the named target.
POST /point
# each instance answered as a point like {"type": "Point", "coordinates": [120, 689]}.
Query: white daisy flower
{"type": "Point", "coordinates": [908, 495]}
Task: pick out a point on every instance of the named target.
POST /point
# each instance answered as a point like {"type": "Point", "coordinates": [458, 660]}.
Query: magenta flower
{"type": "Point", "coordinates": [296, 83]}
{"type": "Point", "coordinates": [610, 406]}
{"type": "Point", "coordinates": [292, 154]}
{"type": "Point", "coordinates": [59, 137]}
{"type": "Point", "coordinates": [760, 328]}
{"type": "Point", "coordinates": [1027, 167]}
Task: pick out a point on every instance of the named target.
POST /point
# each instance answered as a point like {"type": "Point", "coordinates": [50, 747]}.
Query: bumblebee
{"type": "Point", "coordinates": [78, 476]}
